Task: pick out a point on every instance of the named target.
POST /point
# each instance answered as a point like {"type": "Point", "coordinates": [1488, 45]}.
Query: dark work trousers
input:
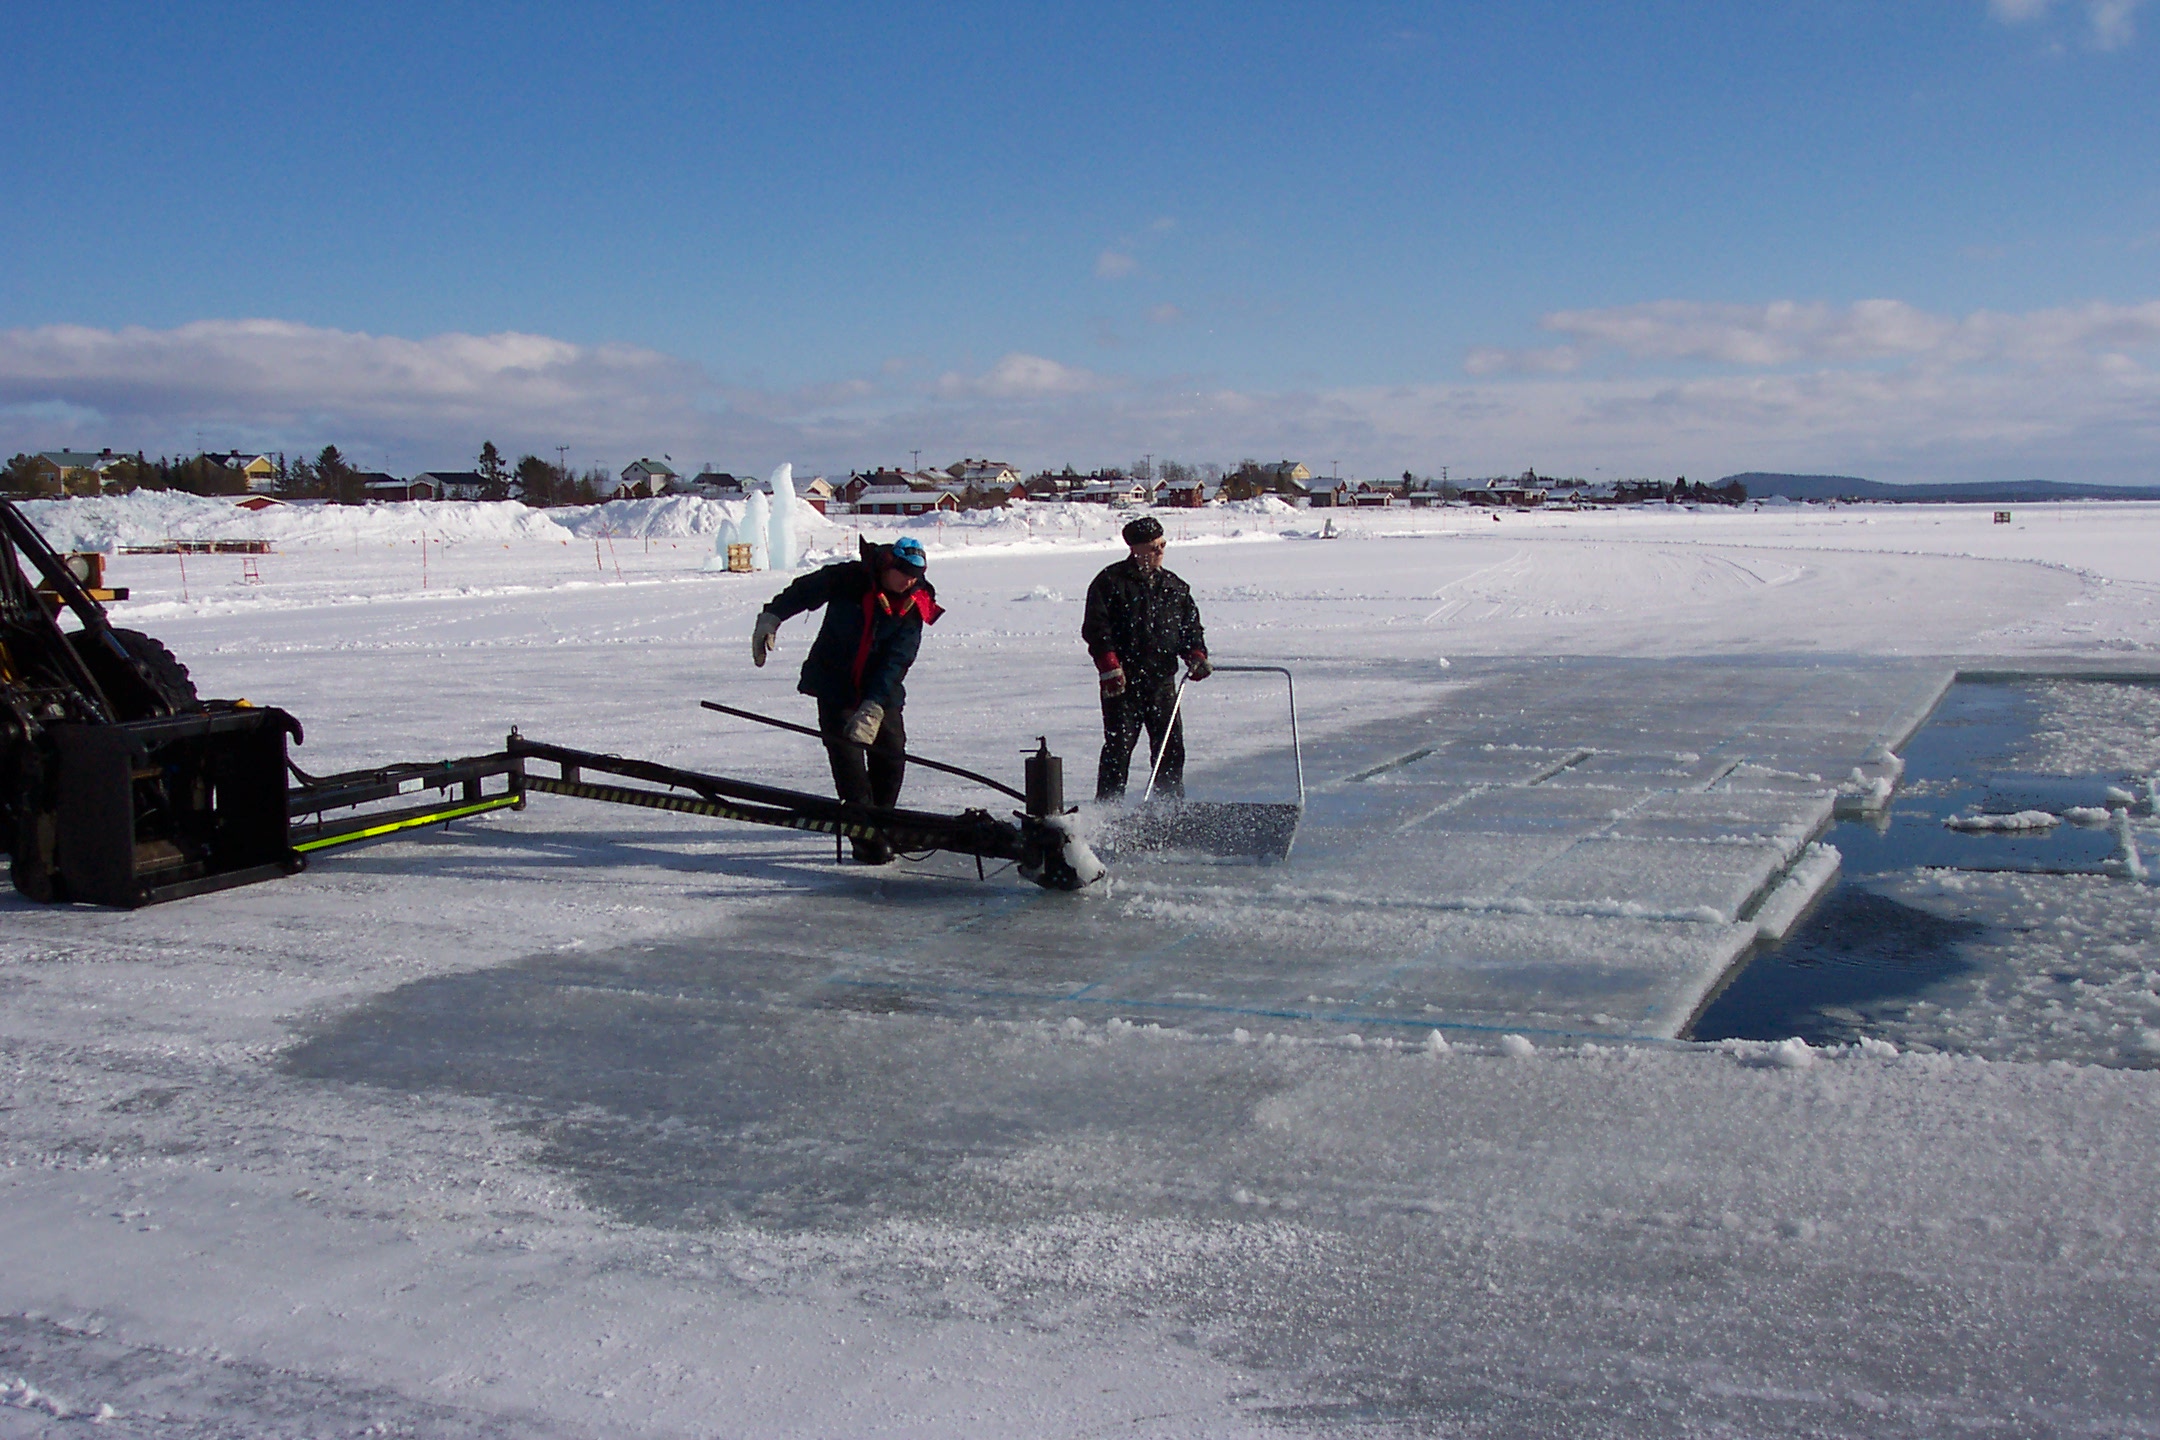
{"type": "Point", "coordinates": [864, 774]}
{"type": "Point", "coordinates": [1123, 718]}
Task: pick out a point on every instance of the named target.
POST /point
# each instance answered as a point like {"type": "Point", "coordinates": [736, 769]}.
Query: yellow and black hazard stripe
{"type": "Point", "coordinates": [411, 820]}
{"type": "Point", "coordinates": [696, 805]}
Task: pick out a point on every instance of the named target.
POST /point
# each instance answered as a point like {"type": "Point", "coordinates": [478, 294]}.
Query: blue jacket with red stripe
{"type": "Point", "coordinates": [868, 639]}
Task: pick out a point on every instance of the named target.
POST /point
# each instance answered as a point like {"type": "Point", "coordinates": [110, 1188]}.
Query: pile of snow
{"type": "Point", "coordinates": [151, 517]}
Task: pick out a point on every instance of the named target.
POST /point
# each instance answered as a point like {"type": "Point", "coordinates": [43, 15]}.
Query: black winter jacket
{"type": "Point", "coordinates": [845, 665]}
{"type": "Point", "coordinates": [1144, 620]}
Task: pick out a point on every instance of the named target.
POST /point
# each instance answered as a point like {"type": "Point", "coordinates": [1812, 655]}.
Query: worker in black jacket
{"type": "Point", "coordinates": [1141, 622]}
{"type": "Point", "coordinates": [875, 610]}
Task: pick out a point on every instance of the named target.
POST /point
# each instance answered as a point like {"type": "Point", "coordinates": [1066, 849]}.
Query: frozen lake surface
{"type": "Point", "coordinates": [586, 1121]}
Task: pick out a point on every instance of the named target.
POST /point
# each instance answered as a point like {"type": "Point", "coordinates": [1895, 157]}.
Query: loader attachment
{"type": "Point", "coordinates": [154, 810]}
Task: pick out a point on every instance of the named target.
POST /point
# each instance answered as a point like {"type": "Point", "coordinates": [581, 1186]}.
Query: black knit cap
{"type": "Point", "coordinates": [1144, 531]}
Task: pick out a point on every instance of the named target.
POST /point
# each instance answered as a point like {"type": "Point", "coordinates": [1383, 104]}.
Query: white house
{"type": "Point", "coordinates": [645, 477]}
{"type": "Point", "coordinates": [1111, 492]}
{"type": "Point", "coordinates": [984, 475]}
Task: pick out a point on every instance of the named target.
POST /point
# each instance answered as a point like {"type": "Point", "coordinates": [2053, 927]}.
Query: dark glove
{"type": "Point", "coordinates": [1197, 666]}
{"type": "Point", "coordinates": [764, 636]}
{"type": "Point", "coordinates": [862, 726]}
{"type": "Point", "coordinates": [1112, 682]}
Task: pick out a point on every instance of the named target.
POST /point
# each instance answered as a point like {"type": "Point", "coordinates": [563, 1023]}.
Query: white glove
{"type": "Point", "coordinates": [862, 726]}
{"type": "Point", "coordinates": [764, 636]}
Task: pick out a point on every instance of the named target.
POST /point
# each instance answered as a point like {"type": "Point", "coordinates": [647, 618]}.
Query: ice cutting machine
{"type": "Point", "coordinates": [120, 786]}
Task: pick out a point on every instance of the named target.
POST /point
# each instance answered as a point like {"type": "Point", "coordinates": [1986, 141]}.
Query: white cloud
{"type": "Point", "coordinates": [1021, 377]}
{"type": "Point", "coordinates": [1552, 360]}
{"type": "Point", "coordinates": [1115, 265]}
{"type": "Point", "coordinates": [1788, 332]}
{"type": "Point", "coordinates": [1880, 389]}
{"type": "Point", "coordinates": [2113, 25]}
{"type": "Point", "coordinates": [2110, 24]}
{"type": "Point", "coordinates": [250, 381]}
{"type": "Point", "coordinates": [1165, 314]}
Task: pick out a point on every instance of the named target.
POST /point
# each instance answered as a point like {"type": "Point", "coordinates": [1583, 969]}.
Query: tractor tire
{"type": "Point", "coordinates": [33, 837]}
{"type": "Point", "coordinates": [168, 677]}
{"type": "Point", "coordinates": [34, 858]}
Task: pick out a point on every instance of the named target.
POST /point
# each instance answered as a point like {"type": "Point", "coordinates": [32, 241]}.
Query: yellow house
{"type": "Point", "coordinates": [77, 472]}
{"type": "Point", "coordinates": [260, 470]}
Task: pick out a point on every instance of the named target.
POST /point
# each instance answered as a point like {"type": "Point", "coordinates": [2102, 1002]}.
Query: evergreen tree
{"type": "Point", "coordinates": [337, 479]}
{"type": "Point", "coordinates": [26, 477]}
{"type": "Point", "coordinates": [494, 475]}
{"type": "Point", "coordinates": [543, 482]}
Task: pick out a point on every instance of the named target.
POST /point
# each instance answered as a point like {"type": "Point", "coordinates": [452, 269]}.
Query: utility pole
{"type": "Point", "coordinates": [918, 460]}
{"type": "Point", "coordinates": [562, 460]}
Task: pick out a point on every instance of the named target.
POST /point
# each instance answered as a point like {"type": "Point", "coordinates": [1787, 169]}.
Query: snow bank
{"type": "Point", "coordinates": [149, 517]}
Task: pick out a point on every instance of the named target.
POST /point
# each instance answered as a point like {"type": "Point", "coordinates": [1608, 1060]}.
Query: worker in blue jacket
{"type": "Point", "coordinates": [875, 611]}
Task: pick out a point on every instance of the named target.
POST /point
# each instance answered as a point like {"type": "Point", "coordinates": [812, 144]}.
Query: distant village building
{"type": "Point", "coordinates": [1634, 492]}
{"type": "Point", "coordinates": [643, 477]}
{"type": "Point", "coordinates": [79, 470]}
{"type": "Point", "coordinates": [1182, 494]}
{"type": "Point", "coordinates": [1110, 490]}
{"type": "Point", "coordinates": [259, 472]}
{"type": "Point", "coordinates": [376, 486]}
{"type": "Point", "coordinates": [1509, 494]}
{"type": "Point", "coordinates": [984, 475]}
{"type": "Point", "coordinates": [720, 485]}
{"type": "Point", "coordinates": [457, 485]}
{"type": "Point", "coordinates": [903, 500]}
{"type": "Point", "coordinates": [1052, 485]}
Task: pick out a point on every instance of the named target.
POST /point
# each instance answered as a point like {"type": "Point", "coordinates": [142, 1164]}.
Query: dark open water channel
{"type": "Point", "coordinates": [1861, 952]}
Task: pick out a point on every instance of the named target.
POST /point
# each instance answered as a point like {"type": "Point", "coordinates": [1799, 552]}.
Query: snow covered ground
{"type": "Point", "coordinates": [585, 1121]}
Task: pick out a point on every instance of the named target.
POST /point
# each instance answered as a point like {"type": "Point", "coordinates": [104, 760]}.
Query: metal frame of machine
{"type": "Point", "coordinates": [119, 786]}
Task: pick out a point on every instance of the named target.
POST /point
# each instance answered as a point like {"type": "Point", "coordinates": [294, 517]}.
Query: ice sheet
{"type": "Point", "coordinates": [595, 1122]}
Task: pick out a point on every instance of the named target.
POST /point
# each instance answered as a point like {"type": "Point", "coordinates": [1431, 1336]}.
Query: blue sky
{"type": "Point", "coordinates": [1654, 239]}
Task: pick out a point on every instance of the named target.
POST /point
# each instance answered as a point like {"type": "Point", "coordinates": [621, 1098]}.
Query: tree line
{"type": "Point", "coordinates": [327, 475]}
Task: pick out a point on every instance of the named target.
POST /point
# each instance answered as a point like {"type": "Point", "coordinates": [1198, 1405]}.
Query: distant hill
{"type": "Point", "coordinates": [1978, 492]}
